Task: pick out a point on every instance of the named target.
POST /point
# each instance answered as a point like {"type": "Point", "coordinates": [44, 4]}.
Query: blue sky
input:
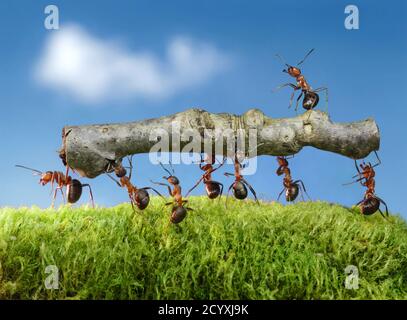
{"type": "Point", "coordinates": [364, 70]}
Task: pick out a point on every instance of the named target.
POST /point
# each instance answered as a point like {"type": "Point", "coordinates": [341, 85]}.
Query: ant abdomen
{"type": "Point", "coordinates": [291, 192]}
{"type": "Point", "coordinates": [212, 190]}
{"type": "Point", "coordinates": [142, 199]}
{"type": "Point", "coordinates": [369, 206]}
{"type": "Point", "coordinates": [74, 190]}
{"type": "Point", "coordinates": [310, 101]}
{"type": "Point", "coordinates": [239, 190]}
{"type": "Point", "coordinates": [178, 214]}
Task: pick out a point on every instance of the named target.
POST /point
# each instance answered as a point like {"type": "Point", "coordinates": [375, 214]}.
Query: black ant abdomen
{"type": "Point", "coordinates": [310, 101]}
{"type": "Point", "coordinates": [74, 190]}
{"type": "Point", "coordinates": [178, 214]}
{"type": "Point", "coordinates": [291, 192]}
{"type": "Point", "coordinates": [213, 189]}
{"type": "Point", "coordinates": [239, 190]}
{"type": "Point", "coordinates": [142, 199]}
{"type": "Point", "coordinates": [369, 206]}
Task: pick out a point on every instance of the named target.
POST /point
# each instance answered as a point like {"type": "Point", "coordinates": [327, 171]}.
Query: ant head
{"type": "Point", "coordinates": [46, 177]}
{"type": "Point", "coordinates": [172, 180]}
{"type": "Point", "coordinates": [293, 71]}
{"type": "Point", "coordinates": [120, 172]}
{"type": "Point", "coordinates": [282, 161]}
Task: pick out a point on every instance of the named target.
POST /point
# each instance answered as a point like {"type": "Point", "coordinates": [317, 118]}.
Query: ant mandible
{"type": "Point", "coordinates": [179, 211]}
{"type": "Point", "coordinates": [213, 188]}
{"type": "Point", "coordinates": [370, 202]}
{"type": "Point", "coordinates": [138, 196]}
{"type": "Point", "coordinates": [291, 188]}
{"type": "Point", "coordinates": [73, 186]}
{"type": "Point", "coordinates": [311, 97]}
{"type": "Point", "coordinates": [239, 185]}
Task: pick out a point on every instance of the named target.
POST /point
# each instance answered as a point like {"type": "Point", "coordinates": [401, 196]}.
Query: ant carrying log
{"type": "Point", "coordinates": [370, 202]}
{"type": "Point", "coordinates": [311, 98]}
{"type": "Point", "coordinates": [213, 188]}
{"type": "Point", "coordinates": [179, 211]}
{"type": "Point", "coordinates": [138, 196]}
{"type": "Point", "coordinates": [291, 188]}
{"type": "Point", "coordinates": [239, 186]}
{"type": "Point", "coordinates": [73, 186]}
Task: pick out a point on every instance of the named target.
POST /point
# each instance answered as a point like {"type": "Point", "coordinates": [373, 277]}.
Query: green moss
{"type": "Point", "coordinates": [244, 251]}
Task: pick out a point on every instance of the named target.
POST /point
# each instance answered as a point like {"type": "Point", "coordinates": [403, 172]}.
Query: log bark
{"type": "Point", "coordinates": [91, 149]}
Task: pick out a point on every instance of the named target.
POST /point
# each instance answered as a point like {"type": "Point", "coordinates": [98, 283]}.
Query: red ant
{"type": "Point", "coordinates": [239, 185]}
{"type": "Point", "coordinates": [291, 188]}
{"type": "Point", "coordinates": [138, 197]}
{"type": "Point", "coordinates": [213, 188]}
{"type": "Point", "coordinates": [73, 186]}
{"type": "Point", "coordinates": [371, 202]}
{"type": "Point", "coordinates": [311, 97]}
{"type": "Point", "coordinates": [179, 211]}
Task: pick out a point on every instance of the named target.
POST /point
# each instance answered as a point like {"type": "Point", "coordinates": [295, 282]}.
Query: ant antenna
{"type": "Point", "coordinates": [117, 182]}
{"type": "Point", "coordinates": [162, 166]}
{"type": "Point", "coordinates": [172, 168]}
{"type": "Point", "coordinates": [35, 170]}
{"type": "Point", "coordinates": [282, 60]}
{"type": "Point", "coordinates": [306, 56]}
{"type": "Point", "coordinates": [377, 156]}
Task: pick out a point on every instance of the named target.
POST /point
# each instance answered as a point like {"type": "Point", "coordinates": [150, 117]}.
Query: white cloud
{"type": "Point", "coordinates": [92, 70]}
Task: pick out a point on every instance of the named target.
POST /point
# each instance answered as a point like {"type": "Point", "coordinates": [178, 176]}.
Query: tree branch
{"type": "Point", "coordinates": [91, 149]}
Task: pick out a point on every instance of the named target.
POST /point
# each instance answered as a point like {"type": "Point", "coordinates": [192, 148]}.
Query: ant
{"type": "Point", "coordinates": [179, 211]}
{"type": "Point", "coordinates": [291, 188]}
{"type": "Point", "coordinates": [138, 197]}
{"type": "Point", "coordinates": [213, 188]}
{"type": "Point", "coordinates": [371, 202]}
{"type": "Point", "coordinates": [239, 185]}
{"type": "Point", "coordinates": [311, 97]}
{"type": "Point", "coordinates": [73, 186]}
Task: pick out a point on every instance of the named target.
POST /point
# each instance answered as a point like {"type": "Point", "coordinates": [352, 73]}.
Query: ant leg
{"type": "Point", "coordinates": [286, 85]}
{"type": "Point", "coordinates": [52, 182]}
{"type": "Point", "coordinates": [387, 210]}
{"type": "Point", "coordinates": [303, 186]}
{"type": "Point", "coordinates": [54, 197]}
{"type": "Point", "coordinates": [379, 161]}
{"type": "Point", "coordinates": [326, 95]}
{"type": "Point", "coordinates": [199, 181]}
{"type": "Point", "coordinates": [221, 188]}
{"type": "Point", "coordinates": [63, 195]}
{"type": "Point", "coordinates": [130, 159]}
{"type": "Point", "coordinates": [251, 189]}
{"type": "Point", "coordinates": [280, 194]}
{"type": "Point", "coordinates": [382, 214]}
{"type": "Point", "coordinates": [298, 99]}
{"type": "Point", "coordinates": [90, 193]}
{"type": "Point", "coordinates": [227, 195]}
{"type": "Point", "coordinates": [117, 182]}
{"type": "Point", "coordinates": [150, 188]}
{"type": "Point", "coordinates": [227, 174]}
{"type": "Point", "coordinates": [163, 184]}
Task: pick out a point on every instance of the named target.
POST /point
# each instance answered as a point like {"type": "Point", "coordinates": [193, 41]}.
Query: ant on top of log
{"type": "Point", "coordinates": [311, 98]}
{"type": "Point", "coordinates": [73, 186]}
{"type": "Point", "coordinates": [138, 196]}
{"type": "Point", "coordinates": [213, 188]}
{"type": "Point", "coordinates": [179, 211]}
{"type": "Point", "coordinates": [370, 202]}
{"type": "Point", "coordinates": [291, 188]}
